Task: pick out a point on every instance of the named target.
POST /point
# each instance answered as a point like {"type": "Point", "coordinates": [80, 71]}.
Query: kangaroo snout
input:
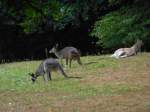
{"type": "Point", "coordinates": [33, 78]}
{"type": "Point", "coordinates": [50, 51]}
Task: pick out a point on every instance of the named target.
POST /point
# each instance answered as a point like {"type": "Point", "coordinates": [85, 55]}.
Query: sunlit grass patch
{"type": "Point", "coordinates": [105, 90]}
{"type": "Point", "coordinates": [14, 77]}
{"type": "Point", "coordinates": [118, 89]}
{"type": "Point", "coordinates": [95, 62]}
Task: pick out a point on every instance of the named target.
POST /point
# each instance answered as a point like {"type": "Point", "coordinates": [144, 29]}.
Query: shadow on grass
{"type": "Point", "coordinates": [90, 63]}
{"type": "Point", "coordinates": [75, 77]}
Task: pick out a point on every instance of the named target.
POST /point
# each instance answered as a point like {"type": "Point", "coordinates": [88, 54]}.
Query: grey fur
{"type": "Point", "coordinates": [45, 69]}
{"type": "Point", "coordinates": [68, 53]}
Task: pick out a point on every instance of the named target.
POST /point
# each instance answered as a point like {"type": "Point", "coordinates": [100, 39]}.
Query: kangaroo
{"type": "Point", "coordinates": [126, 52]}
{"type": "Point", "coordinates": [68, 53]}
{"type": "Point", "coordinates": [45, 69]}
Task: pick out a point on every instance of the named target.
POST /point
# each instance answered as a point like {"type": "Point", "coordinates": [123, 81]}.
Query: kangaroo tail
{"type": "Point", "coordinates": [62, 72]}
{"type": "Point", "coordinates": [113, 55]}
{"type": "Point", "coordinates": [76, 55]}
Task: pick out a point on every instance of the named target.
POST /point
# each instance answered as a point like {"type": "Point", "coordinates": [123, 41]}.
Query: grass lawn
{"type": "Point", "coordinates": [106, 85]}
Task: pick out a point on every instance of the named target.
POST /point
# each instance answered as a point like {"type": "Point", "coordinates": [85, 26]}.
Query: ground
{"type": "Point", "coordinates": [106, 85]}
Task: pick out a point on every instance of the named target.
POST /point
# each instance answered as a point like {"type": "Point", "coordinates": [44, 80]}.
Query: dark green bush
{"type": "Point", "coordinates": [122, 27]}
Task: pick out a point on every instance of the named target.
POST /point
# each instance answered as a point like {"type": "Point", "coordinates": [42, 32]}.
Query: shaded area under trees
{"type": "Point", "coordinates": [27, 27]}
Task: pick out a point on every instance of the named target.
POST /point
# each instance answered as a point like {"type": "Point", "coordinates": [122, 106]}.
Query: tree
{"type": "Point", "coordinates": [45, 15]}
{"type": "Point", "coordinates": [123, 27]}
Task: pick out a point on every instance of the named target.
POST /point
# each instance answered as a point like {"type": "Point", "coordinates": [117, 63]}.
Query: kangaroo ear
{"type": "Point", "coordinates": [56, 45]}
{"type": "Point", "coordinates": [31, 74]}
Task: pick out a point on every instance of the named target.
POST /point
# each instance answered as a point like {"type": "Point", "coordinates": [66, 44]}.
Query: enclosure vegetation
{"type": "Point", "coordinates": [90, 25]}
{"type": "Point", "coordinates": [122, 27]}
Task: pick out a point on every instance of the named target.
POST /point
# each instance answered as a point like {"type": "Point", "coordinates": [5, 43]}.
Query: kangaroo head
{"type": "Point", "coordinates": [54, 49]}
{"type": "Point", "coordinates": [140, 42]}
{"type": "Point", "coordinates": [33, 77]}
{"type": "Point", "coordinates": [137, 46]}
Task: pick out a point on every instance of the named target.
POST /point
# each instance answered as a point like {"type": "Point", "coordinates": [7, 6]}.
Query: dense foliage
{"type": "Point", "coordinates": [46, 15]}
{"type": "Point", "coordinates": [122, 27]}
{"type": "Point", "coordinates": [31, 26]}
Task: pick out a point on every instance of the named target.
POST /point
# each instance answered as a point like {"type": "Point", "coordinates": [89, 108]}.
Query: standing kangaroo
{"type": "Point", "coordinates": [68, 53]}
{"type": "Point", "coordinates": [45, 69]}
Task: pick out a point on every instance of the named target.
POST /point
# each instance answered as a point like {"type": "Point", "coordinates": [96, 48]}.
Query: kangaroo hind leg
{"type": "Point", "coordinates": [79, 61]}
{"type": "Point", "coordinates": [47, 76]}
{"type": "Point", "coordinates": [61, 71]}
{"type": "Point", "coordinates": [70, 60]}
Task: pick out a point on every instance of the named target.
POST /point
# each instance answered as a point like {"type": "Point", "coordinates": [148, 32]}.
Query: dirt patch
{"type": "Point", "coordinates": [123, 103]}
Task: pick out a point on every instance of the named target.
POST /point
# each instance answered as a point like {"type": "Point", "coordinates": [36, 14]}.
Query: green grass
{"type": "Point", "coordinates": [14, 77]}
{"type": "Point", "coordinates": [101, 76]}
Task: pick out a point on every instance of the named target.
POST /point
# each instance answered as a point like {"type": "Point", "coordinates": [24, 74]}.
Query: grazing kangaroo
{"type": "Point", "coordinates": [45, 69]}
{"type": "Point", "coordinates": [68, 53]}
{"type": "Point", "coordinates": [126, 52]}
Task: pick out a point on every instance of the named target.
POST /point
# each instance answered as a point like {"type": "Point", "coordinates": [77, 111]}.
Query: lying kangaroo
{"type": "Point", "coordinates": [45, 69]}
{"type": "Point", "coordinates": [68, 53]}
{"type": "Point", "coordinates": [126, 52]}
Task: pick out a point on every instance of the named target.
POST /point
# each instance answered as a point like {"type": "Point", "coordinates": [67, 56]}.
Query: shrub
{"type": "Point", "coordinates": [122, 27]}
